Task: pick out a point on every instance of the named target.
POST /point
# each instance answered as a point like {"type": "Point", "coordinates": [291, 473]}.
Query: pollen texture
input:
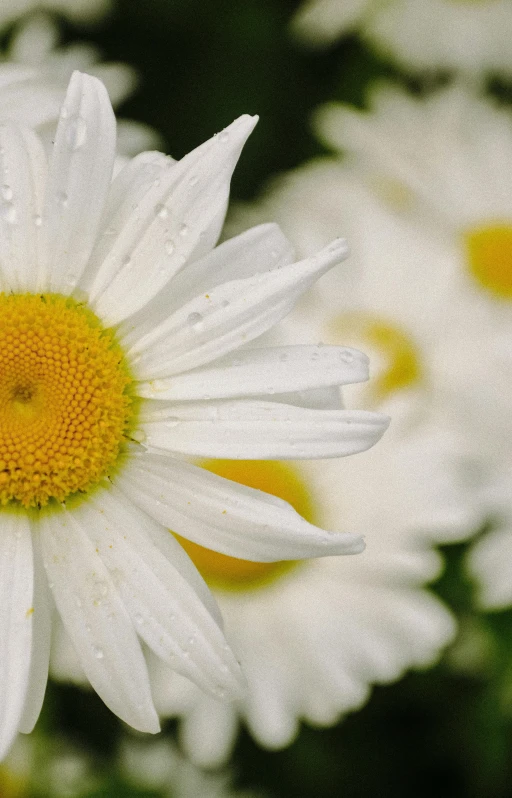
{"type": "Point", "coordinates": [490, 258]}
{"type": "Point", "coordinates": [65, 406]}
{"type": "Point", "coordinates": [279, 479]}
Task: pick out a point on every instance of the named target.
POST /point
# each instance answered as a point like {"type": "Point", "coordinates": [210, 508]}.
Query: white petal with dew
{"type": "Point", "coordinates": [22, 179]}
{"type": "Point", "coordinates": [243, 256]}
{"type": "Point", "coordinates": [168, 614]}
{"type": "Point", "coordinates": [95, 616]}
{"type": "Point", "coordinates": [41, 641]}
{"type": "Point", "coordinates": [16, 623]}
{"type": "Point", "coordinates": [251, 429]}
{"type": "Point", "coordinates": [250, 372]}
{"type": "Point", "coordinates": [79, 179]}
{"type": "Point", "coordinates": [225, 516]}
{"type": "Point", "coordinates": [232, 314]}
{"type": "Point", "coordinates": [178, 219]}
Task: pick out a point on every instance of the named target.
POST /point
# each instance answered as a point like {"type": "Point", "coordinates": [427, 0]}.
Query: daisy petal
{"type": "Point", "coordinates": [229, 316]}
{"type": "Point", "coordinates": [225, 516]}
{"type": "Point", "coordinates": [79, 179]}
{"type": "Point", "coordinates": [257, 430]}
{"type": "Point", "coordinates": [95, 616]}
{"type": "Point", "coordinates": [242, 256]}
{"type": "Point", "coordinates": [250, 372]}
{"type": "Point", "coordinates": [41, 640]}
{"type": "Point", "coordinates": [179, 218]}
{"type": "Point", "coordinates": [16, 623]}
{"type": "Point", "coordinates": [169, 616]}
{"type": "Point", "coordinates": [22, 179]}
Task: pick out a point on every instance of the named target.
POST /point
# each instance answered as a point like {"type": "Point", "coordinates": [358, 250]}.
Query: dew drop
{"type": "Point", "coordinates": [224, 136]}
{"type": "Point", "coordinates": [64, 113]}
{"type": "Point", "coordinates": [170, 246]}
{"type": "Point", "coordinates": [62, 198]}
{"type": "Point", "coordinates": [193, 180]}
{"type": "Point", "coordinates": [195, 320]}
{"type": "Point", "coordinates": [38, 220]}
{"type": "Point", "coordinates": [139, 618]}
{"type": "Point", "coordinates": [127, 261]}
{"type": "Point", "coordinates": [97, 652]}
{"type": "Point", "coordinates": [78, 601]}
{"type": "Point", "coordinates": [283, 357]}
{"type": "Point", "coordinates": [161, 211]}
{"type": "Point", "coordinates": [172, 422]}
{"type": "Point", "coordinates": [183, 230]}
{"type": "Point", "coordinates": [76, 133]}
{"type": "Point", "coordinates": [7, 192]}
{"type": "Point", "coordinates": [347, 356]}
{"type": "Point", "coordinates": [9, 214]}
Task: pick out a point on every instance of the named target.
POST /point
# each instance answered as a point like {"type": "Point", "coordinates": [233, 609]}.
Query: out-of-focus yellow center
{"type": "Point", "coordinates": [401, 366]}
{"type": "Point", "coordinates": [64, 402]}
{"type": "Point", "coordinates": [280, 479]}
{"type": "Point", "coordinates": [12, 785]}
{"type": "Point", "coordinates": [489, 251]}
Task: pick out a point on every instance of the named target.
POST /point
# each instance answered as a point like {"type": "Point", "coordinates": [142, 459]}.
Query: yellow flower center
{"type": "Point", "coordinates": [64, 402]}
{"type": "Point", "coordinates": [400, 365]}
{"type": "Point", "coordinates": [280, 479]}
{"type": "Point", "coordinates": [12, 785]}
{"type": "Point", "coordinates": [489, 252]}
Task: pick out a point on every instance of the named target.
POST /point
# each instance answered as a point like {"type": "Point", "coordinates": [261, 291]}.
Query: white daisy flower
{"type": "Point", "coordinates": [35, 72]}
{"type": "Point", "coordinates": [121, 322]}
{"type": "Point", "coordinates": [312, 637]}
{"type": "Point", "coordinates": [471, 37]}
{"type": "Point", "coordinates": [433, 280]}
{"type": "Point", "coordinates": [77, 11]}
{"type": "Point", "coordinates": [157, 765]}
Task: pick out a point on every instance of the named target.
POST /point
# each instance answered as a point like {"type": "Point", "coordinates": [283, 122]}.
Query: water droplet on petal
{"type": "Point", "coordinates": [193, 180]}
{"type": "Point", "coordinates": [161, 211]}
{"type": "Point", "coordinates": [7, 192]}
{"type": "Point", "coordinates": [224, 136]}
{"type": "Point", "coordinates": [170, 246]}
{"type": "Point", "coordinates": [97, 652]}
{"type": "Point", "coordinates": [38, 220]}
{"type": "Point", "coordinates": [184, 230]}
{"type": "Point", "coordinates": [172, 421]}
{"type": "Point", "coordinates": [347, 356]}
{"type": "Point", "coordinates": [195, 320]}
{"type": "Point", "coordinates": [76, 133]}
{"type": "Point", "coordinates": [62, 198]}
{"type": "Point", "coordinates": [8, 213]}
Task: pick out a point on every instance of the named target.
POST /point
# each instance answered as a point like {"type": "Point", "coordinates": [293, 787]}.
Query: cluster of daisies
{"type": "Point", "coordinates": [175, 412]}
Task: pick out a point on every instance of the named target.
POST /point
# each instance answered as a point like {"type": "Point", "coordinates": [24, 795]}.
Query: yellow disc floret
{"type": "Point", "coordinates": [400, 363]}
{"type": "Point", "coordinates": [279, 479]}
{"type": "Point", "coordinates": [489, 250]}
{"type": "Point", "coordinates": [65, 406]}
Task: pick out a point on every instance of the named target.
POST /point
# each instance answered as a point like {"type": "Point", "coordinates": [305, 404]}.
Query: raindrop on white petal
{"type": "Point", "coordinates": [127, 261]}
{"type": "Point", "coordinates": [97, 652]}
{"type": "Point", "coordinates": [38, 220]}
{"type": "Point", "coordinates": [78, 601]}
{"type": "Point", "coordinates": [315, 355]}
{"type": "Point", "coordinates": [193, 180]}
{"type": "Point", "coordinates": [283, 357]}
{"type": "Point", "coordinates": [170, 246]}
{"type": "Point", "coordinates": [7, 192]}
{"type": "Point", "coordinates": [161, 211]}
{"type": "Point", "coordinates": [224, 136]}
{"type": "Point", "coordinates": [139, 618]}
{"type": "Point", "coordinates": [62, 198]}
{"type": "Point", "coordinates": [76, 133]}
{"type": "Point", "coordinates": [171, 422]}
{"type": "Point", "coordinates": [224, 303]}
{"type": "Point", "coordinates": [195, 320]}
{"type": "Point", "coordinates": [8, 213]}
{"type": "Point", "coordinates": [184, 230]}
{"type": "Point", "coordinates": [64, 113]}
{"type": "Point", "coordinates": [347, 356]}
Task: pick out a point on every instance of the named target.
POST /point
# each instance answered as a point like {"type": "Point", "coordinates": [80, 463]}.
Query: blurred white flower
{"type": "Point", "coordinates": [121, 323]}
{"type": "Point", "coordinates": [34, 74]}
{"type": "Point", "coordinates": [48, 765]}
{"type": "Point", "coordinates": [472, 37]}
{"type": "Point", "coordinates": [312, 637]}
{"type": "Point", "coordinates": [77, 11]}
{"type": "Point", "coordinates": [158, 765]}
{"type": "Point", "coordinates": [424, 194]}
